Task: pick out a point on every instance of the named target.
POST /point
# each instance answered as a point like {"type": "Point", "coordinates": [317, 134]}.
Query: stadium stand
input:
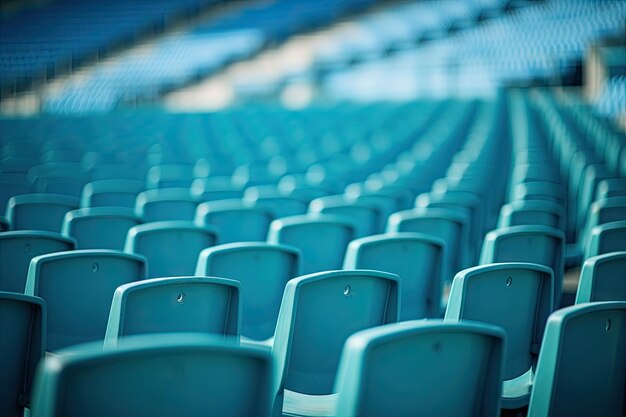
{"type": "Point", "coordinates": [445, 165]}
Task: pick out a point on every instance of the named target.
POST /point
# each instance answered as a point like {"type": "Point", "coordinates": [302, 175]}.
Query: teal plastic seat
{"type": "Point", "coordinates": [22, 343]}
{"type": "Point", "coordinates": [516, 297]}
{"type": "Point", "coordinates": [365, 216]}
{"type": "Point", "coordinates": [99, 227]}
{"type": "Point", "coordinates": [157, 376]}
{"type": "Point", "coordinates": [39, 211]}
{"type": "Point", "coordinates": [532, 212]}
{"type": "Point", "coordinates": [171, 247]}
{"type": "Point", "coordinates": [111, 193]}
{"type": "Point", "coordinates": [582, 364]}
{"type": "Point", "coordinates": [611, 187]}
{"type": "Point", "coordinates": [317, 314]}
{"type": "Point", "coordinates": [19, 247]}
{"type": "Point", "coordinates": [535, 244]}
{"type": "Point", "coordinates": [165, 204]}
{"type": "Point", "coordinates": [214, 188]}
{"type": "Point", "coordinates": [273, 201]}
{"type": "Point", "coordinates": [606, 238]}
{"type": "Point", "coordinates": [170, 176]}
{"type": "Point", "coordinates": [452, 226]}
{"type": "Point", "coordinates": [322, 239]}
{"type": "Point", "coordinates": [603, 211]}
{"type": "Point", "coordinates": [175, 305]}
{"type": "Point", "coordinates": [415, 257]}
{"type": "Point", "coordinates": [236, 221]}
{"type": "Point", "coordinates": [602, 278]}
{"type": "Point", "coordinates": [12, 184]}
{"type": "Point", "coordinates": [540, 190]}
{"type": "Point", "coordinates": [78, 287]}
{"type": "Point", "coordinates": [263, 270]}
{"type": "Point", "coordinates": [414, 368]}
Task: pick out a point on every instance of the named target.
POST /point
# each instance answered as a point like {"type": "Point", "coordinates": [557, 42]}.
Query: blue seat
{"type": "Point", "coordinates": [317, 314]}
{"type": "Point", "coordinates": [603, 211]}
{"type": "Point", "coordinates": [582, 363]}
{"type": "Point", "coordinates": [12, 184]}
{"type": "Point", "coordinates": [421, 368]}
{"type": "Point", "coordinates": [22, 343]}
{"type": "Point", "coordinates": [236, 221]}
{"type": "Point", "coordinates": [78, 287]}
{"type": "Point", "coordinates": [535, 244]}
{"type": "Point", "coordinates": [540, 190]}
{"type": "Point", "coordinates": [517, 297]}
{"type": "Point", "coordinates": [99, 227]}
{"type": "Point", "coordinates": [263, 270]}
{"type": "Point", "coordinates": [171, 247]}
{"type": "Point", "coordinates": [532, 212]}
{"type": "Point", "coordinates": [322, 238]}
{"type": "Point", "coordinates": [157, 376]}
{"type": "Point", "coordinates": [273, 201]}
{"type": "Point", "coordinates": [18, 248]}
{"type": "Point", "coordinates": [111, 192]}
{"type": "Point", "coordinates": [415, 257]}
{"type": "Point", "coordinates": [175, 305]}
{"type": "Point", "coordinates": [39, 211]}
{"type": "Point", "coordinates": [165, 204]}
{"type": "Point", "coordinates": [170, 176]}
{"type": "Point", "coordinates": [611, 187]}
{"type": "Point", "coordinates": [602, 278]}
{"type": "Point", "coordinates": [452, 226]}
{"type": "Point", "coordinates": [606, 238]}
{"type": "Point", "coordinates": [365, 216]}
{"type": "Point", "coordinates": [214, 188]}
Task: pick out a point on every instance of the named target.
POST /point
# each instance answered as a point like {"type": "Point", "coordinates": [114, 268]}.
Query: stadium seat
{"type": "Point", "coordinates": [263, 270]}
{"type": "Point", "coordinates": [190, 374]}
{"type": "Point", "coordinates": [582, 362]}
{"type": "Point", "coordinates": [606, 238]}
{"type": "Point", "coordinates": [415, 257]}
{"type": "Point", "coordinates": [22, 343]}
{"type": "Point", "coordinates": [111, 192]}
{"type": "Point", "coordinates": [214, 188]}
{"type": "Point", "coordinates": [365, 216]}
{"type": "Point", "coordinates": [19, 247]}
{"type": "Point", "coordinates": [447, 224]}
{"type": "Point", "coordinates": [78, 287]}
{"type": "Point", "coordinates": [170, 176]}
{"type": "Point", "coordinates": [236, 221]}
{"type": "Point", "coordinates": [602, 278]}
{"type": "Point", "coordinates": [175, 305]}
{"type": "Point", "coordinates": [163, 204]}
{"type": "Point", "coordinates": [536, 244]}
{"type": "Point", "coordinates": [611, 187]}
{"type": "Point", "coordinates": [532, 212]}
{"type": "Point", "coordinates": [317, 314]}
{"type": "Point", "coordinates": [279, 205]}
{"type": "Point", "coordinates": [99, 227]}
{"type": "Point", "coordinates": [39, 211]}
{"type": "Point", "coordinates": [11, 185]}
{"type": "Point", "coordinates": [517, 297]}
{"type": "Point", "coordinates": [413, 369]}
{"type": "Point", "coordinates": [171, 247]}
{"type": "Point", "coordinates": [322, 238]}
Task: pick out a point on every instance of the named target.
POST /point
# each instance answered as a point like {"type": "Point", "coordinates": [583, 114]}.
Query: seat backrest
{"type": "Point", "coordinates": [150, 375]}
{"type": "Point", "coordinates": [415, 257]}
{"type": "Point", "coordinates": [99, 227]}
{"type": "Point", "coordinates": [517, 297]}
{"type": "Point", "coordinates": [235, 221]}
{"type": "Point", "coordinates": [603, 211]}
{"type": "Point", "coordinates": [19, 247]}
{"type": "Point", "coordinates": [602, 278]}
{"type": "Point", "coordinates": [170, 175]}
{"type": "Point", "coordinates": [163, 204]}
{"type": "Point", "coordinates": [263, 270]}
{"type": "Point", "coordinates": [606, 238]}
{"type": "Point", "coordinates": [111, 193]}
{"type": "Point", "coordinates": [214, 188]}
{"type": "Point", "coordinates": [39, 211]}
{"type": "Point", "coordinates": [171, 247]}
{"type": "Point", "coordinates": [317, 314]}
{"type": "Point", "coordinates": [22, 343]}
{"type": "Point", "coordinates": [365, 216]}
{"type": "Point", "coordinates": [421, 368]}
{"type": "Point", "coordinates": [78, 287]}
{"type": "Point", "coordinates": [535, 244]}
{"type": "Point", "coordinates": [175, 305]}
{"type": "Point", "coordinates": [611, 187]}
{"type": "Point", "coordinates": [532, 212]}
{"type": "Point", "coordinates": [11, 185]}
{"type": "Point", "coordinates": [582, 364]}
{"type": "Point", "coordinates": [322, 238]}
{"type": "Point", "coordinates": [452, 226]}
{"type": "Point", "coordinates": [278, 205]}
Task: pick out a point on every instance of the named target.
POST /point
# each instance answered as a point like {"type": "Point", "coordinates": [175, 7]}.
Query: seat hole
{"type": "Point", "coordinates": [509, 281]}
{"type": "Point", "coordinates": [180, 298]}
{"type": "Point", "coordinates": [347, 291]}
